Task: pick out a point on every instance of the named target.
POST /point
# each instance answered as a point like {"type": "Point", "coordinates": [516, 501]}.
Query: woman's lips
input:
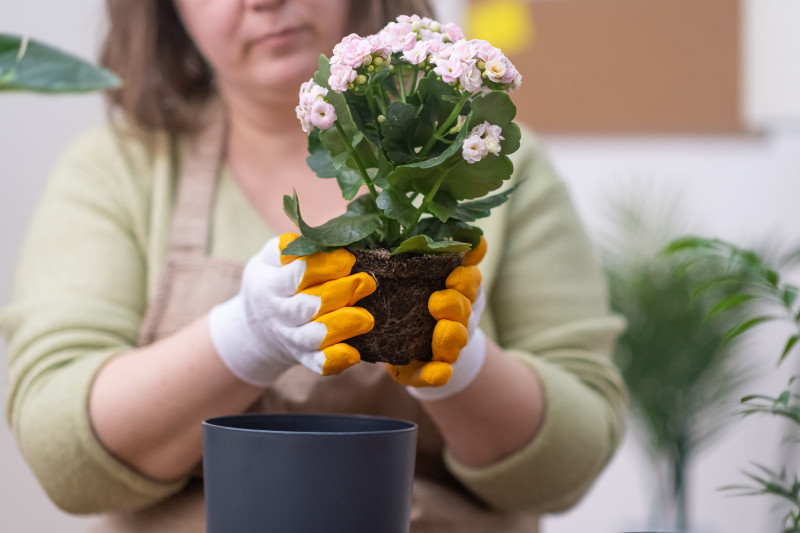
{"type": "Point", "coordinates": [280, 38]}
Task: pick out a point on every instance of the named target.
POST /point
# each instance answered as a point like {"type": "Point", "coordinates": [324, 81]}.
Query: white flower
{"type": "Point", "coordinates": [474, 149]}
{"type": "Point", "coordinates": [482, 140]}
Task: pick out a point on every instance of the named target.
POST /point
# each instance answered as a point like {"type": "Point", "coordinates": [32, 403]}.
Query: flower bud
{"type": "Point", "coordinates": [381, 118]}
{"type": "Point", "coordinates": [360, 79]}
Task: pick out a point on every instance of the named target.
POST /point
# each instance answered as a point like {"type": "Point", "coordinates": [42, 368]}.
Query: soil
{"type": "Point", "coordinates": [403, 326]}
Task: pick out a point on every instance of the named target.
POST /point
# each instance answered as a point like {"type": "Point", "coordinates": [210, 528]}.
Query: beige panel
{"type": "Point", "coordinates": [632, 66]}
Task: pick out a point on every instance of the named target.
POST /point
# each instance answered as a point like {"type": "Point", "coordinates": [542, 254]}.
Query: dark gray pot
{"type": "Point", "coordinates": [308, 473]}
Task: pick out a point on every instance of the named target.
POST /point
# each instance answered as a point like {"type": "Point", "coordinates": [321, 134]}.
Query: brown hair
{"type": "Point", "coordinates": [166, 78]}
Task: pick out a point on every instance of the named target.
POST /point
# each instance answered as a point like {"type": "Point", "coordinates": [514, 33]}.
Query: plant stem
{"type": "Point", "coordinates": [428, 198]}
{"type": "Point", "coordinates": [402, 83]}
{"type": "Point", "coordinates": [413, 87]}
{"type": "Point", "coordinates": [359, 163]}
{"type": "Point", "coordinates": [445, 125]}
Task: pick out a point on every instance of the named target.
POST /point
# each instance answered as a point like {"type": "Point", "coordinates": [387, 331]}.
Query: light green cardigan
{"type": "Point", "coordinates": [95, 250]}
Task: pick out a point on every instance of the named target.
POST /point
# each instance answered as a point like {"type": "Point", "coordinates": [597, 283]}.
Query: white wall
{"type": "Point", "coordinates": [34, 129]}
{"type": "Point", "coordinates": [738, 188]}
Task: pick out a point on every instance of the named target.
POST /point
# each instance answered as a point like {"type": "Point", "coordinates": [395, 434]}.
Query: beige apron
{"type": "Point", "coordinates": [192, 282]}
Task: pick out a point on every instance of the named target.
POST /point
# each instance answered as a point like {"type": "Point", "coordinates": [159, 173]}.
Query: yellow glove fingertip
{"type": "Point", "coordinates": [283, 241]}
{"type": "Point", "coordinates": [450, 304]}
{"type": "Point", "coordinates": [326, 266]}
{"type": "Point", "coordinates": [473, 257]}
{"type": "Point", "coordinates": [466, 280]}
{"type": "Point", "coordinates": [338, 358]}
{"type": "Point", "coordinates": [345, 323]}
{"type": "Point", "coordinates": [449, 338]}
{"type": "Point", "coordinates": [436, 373]}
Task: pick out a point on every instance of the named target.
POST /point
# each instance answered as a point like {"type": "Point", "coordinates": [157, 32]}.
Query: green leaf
{"type": "Point", "coordinates": [745, 326]}
{"type": "Point", "coordinates": [453, 230]}
{"type": "Point", "coordinates": [338, 232]}
{"type": "Point", "coordinates": [426, 172]}
{"type": "Point", "coordinates": [690, 244]}
{"type": "Point", "coordinates": [728, 303]}
{"type": "Point", "coordinates": [442, 206]}
{"type": "Point", "coordinates": [302, 246]}
{"type": "Point", "coordinates": [467, 181]}
{"type": "Point", "coordinates": [422, 244]}
{"type": "Point", "coordinates": [349, 179]}
{"type": "Point", "coordinates": [789, 295]}
{"type": "Point", "coordinates": [494, 107]}
{"type": "Point", "coordinates": [362, 116]}
{"type": "Point", "coordinates": [291, 207]}
{"type": "Point", "coordinates": [342, 230]}
{"type": "Point", "coordinates": [470, 211]}
{"type": "Point", "coordinates": [397, 206]}
{"type": "Point", "coordinates": [41, 68]}
{"type": "Point", "coordinates": [362, 205]}
{"type": "Point", "coordinates": [319, 159]}
{"type": "Point", "coordinates": [788, 347]}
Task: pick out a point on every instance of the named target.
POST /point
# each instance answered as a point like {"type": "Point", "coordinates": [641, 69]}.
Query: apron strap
{"type": "Point", "coordinates": [200, 165]}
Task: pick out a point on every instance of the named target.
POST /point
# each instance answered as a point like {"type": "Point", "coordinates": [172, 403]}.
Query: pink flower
{"type": "Point", "coordinates": [313, 110]}
{"type": "Point", "coordinates": [399, 36]}
{"type": "Point", "coordinates": [450, 69]}
{"type": "Point", "coordinates": [353, 51]}
{"type": "Point", "coordinates": [471, 79]}
{"type": "Point", "coordinates": [341, 76]}
{"type": "Point", "coordinates": [452, 31]}
{"type": "Point", "coordinates": [474, 149]}
{"type": "Point", "coordinates": [418, 54]}
{"type": "Point", "coordinates": [322, 114]}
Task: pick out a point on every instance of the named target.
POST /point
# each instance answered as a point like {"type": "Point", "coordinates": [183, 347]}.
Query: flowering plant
{"type": "Point", "coordinates": [420, 119]}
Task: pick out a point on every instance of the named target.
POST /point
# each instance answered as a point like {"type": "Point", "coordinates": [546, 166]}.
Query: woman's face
{"type": "Point", "coordinates": [264, 48]}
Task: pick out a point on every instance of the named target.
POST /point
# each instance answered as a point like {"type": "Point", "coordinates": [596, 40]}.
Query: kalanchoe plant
{"type": "Point", "coordinates": [418, 117]}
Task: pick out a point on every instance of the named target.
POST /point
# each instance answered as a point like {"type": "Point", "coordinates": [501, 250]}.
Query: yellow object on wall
{"type": "Point", "coordinates": [507, 24]}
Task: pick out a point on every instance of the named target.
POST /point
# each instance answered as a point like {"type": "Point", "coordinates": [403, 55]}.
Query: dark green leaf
{"type": "Point", "coordinates": [362, 116]}
{"type": "Point", "coordinates": [340, 231]}
{"type": "Point", "coordinates": [442, 206]}
{"type": "Point", "coordinates": [428, 171]}
{"type": "Point", "coordinates": [349, 179]}
{"type": "Point", "coordinates": [397, 205]}
{"type": "Point", "coordinates": [466, 181]}
{"type": "Point", "coordinates": [422, 244]}
{"type": "Point", "coordinates": [470, 211]}
{"type": "Point", "coordinates": [41, 68]}
{"type": "Point", "coordinates": [362, 205]}
{"type": "Point", "coordinates": [302, 246]}
{"type": "Point", "coordinates": [494, 107]}
{"type": "Point", "coordinates": [454, 230]}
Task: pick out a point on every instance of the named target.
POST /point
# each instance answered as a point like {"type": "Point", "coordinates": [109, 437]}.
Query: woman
{"type": "Point", "coordinates": [145, 227]}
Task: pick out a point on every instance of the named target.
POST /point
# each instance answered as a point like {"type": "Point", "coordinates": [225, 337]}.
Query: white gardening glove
{"type": "Point", "coordinates": [292, 310]}
{"type": "Point", "coordinates": [458, 344]}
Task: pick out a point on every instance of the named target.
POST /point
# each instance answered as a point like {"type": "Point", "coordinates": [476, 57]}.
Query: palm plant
{"type": "Point", "coordinates": [673, 357]}
{"type": "Point", "coordinates": [764, 297]}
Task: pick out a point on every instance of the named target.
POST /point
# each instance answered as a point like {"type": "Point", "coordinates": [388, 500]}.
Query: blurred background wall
{"type": "Point", "coordinates": [686, 97]}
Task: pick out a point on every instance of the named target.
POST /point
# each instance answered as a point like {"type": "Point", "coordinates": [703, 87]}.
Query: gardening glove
{"type": "Point", "coordinates": [292, 310]}
{"type": "Point", "coordinates": [458, 344]}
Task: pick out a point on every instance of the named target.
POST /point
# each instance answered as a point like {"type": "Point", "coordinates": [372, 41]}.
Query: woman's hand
{"type": "Point", "coordinates": [292, 310]}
